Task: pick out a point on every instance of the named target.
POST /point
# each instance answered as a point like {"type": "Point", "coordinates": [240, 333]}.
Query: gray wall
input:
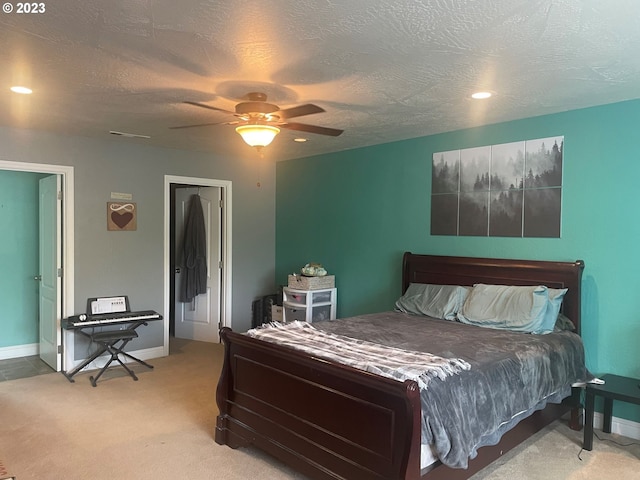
{"type": "Point", "coordinates": [131, 263]}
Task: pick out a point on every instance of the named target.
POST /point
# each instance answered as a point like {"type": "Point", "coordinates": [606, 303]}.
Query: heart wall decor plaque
{"type": "Point", "coordinates": [122, 216]}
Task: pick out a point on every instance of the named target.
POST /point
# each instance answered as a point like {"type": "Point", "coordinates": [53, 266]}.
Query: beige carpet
{"type": "Point", "coordinates": [556, 453]}
{"type": "Point", "coordinates": [161, 427]}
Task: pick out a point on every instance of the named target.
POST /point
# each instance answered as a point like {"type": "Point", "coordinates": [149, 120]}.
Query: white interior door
{"type": "Point", "coordinates": [200, 319]}
{"type": "Point", "coordinates": [50, 277]}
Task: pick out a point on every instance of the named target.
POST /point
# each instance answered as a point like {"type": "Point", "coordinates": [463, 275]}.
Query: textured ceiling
{"type": "Point", "coordinates": [382, 70]}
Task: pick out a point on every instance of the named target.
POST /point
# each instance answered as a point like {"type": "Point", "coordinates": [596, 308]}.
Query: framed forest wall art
{"type": "Point", "coordinates": [507, 190]}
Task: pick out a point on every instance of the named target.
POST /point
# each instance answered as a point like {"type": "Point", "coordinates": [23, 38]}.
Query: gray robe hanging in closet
{"type": "Point", "coordinates": [194, 253]}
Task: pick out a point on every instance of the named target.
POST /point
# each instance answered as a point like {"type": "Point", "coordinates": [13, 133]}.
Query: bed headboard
{"type": "Point", "coordinates": [442, 270]}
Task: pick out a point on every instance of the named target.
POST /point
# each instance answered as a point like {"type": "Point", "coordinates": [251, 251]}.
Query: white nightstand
{"type": "Point", "coordinates": [309, 305]}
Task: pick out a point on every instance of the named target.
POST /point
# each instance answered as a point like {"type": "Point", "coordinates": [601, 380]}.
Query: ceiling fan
{"type": "Point", "coordinates": [259, 121]}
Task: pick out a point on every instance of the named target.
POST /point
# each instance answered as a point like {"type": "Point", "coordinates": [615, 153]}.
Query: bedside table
{"type": "Point", "coordinates": [615, 388]}
{"type": "Point", "coordinates": [308, 305]}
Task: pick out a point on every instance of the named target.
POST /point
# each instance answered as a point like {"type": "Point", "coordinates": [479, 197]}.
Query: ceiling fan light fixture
{"type": "Point", "coordinates": [257, 135]}
{"type": "Point", "coordinates": [21, 89]}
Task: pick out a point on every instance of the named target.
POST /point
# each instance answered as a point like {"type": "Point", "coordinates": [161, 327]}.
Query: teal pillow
{"type": "Point", "coordinates": [556, 295]}
{"type": "Point", "coordinates": [438, 301]}
{"type": "Point", "coordinates": [515, 308]}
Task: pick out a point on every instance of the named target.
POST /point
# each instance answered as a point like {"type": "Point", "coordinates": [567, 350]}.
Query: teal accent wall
{"type": "Point", "coordinates": [19, 258]}
{"type": "Point", "coordinates": [357, 211]}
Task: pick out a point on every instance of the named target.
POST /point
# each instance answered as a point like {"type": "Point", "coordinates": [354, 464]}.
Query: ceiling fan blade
{"type": "Point", "coordinates": [196, 104]}
{"type": "Point", "coordinates": [300, 110]}
{"type": "Point", "coordinates": [302, 127]}
{"type": "Point", "coordinates": [198, 125]}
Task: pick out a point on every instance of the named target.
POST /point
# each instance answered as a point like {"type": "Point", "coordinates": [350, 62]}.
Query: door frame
{"type": "Point", "coordinates": [67, 247]}
{"type": "Point", "coordinates": [225, 293]}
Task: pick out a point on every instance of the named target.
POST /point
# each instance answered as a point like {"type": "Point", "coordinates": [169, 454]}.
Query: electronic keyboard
{"type": "Point", "coordinates": [87, 320]}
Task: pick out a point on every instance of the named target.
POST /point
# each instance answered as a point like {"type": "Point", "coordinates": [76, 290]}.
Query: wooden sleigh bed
{"type": "Point", "coordinates": [331, 421]}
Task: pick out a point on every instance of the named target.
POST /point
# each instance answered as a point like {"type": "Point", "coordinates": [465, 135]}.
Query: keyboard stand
{"type": "Point", "coordinates": [113, 343]}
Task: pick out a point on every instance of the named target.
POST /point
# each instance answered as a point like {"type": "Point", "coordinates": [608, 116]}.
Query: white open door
{"type": "Point", "coordinates": [50, 277]}
{"type": "Point", "coordinates": [200, 319]}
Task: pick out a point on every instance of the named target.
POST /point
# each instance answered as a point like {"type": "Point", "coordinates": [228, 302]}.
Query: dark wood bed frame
{"type": "Point", "coordinates": [330, 421]}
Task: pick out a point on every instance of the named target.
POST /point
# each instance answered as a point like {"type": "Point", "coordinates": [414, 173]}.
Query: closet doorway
{"type": "Point", "coordinates": [197, 318]}
{"type": "Point", "coordinates": [202, 318]}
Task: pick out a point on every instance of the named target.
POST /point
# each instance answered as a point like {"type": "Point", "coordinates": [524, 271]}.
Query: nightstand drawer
{"type": "Point", "coordinates": [309, 297]}
{"type": "Point", "coordinates": [315, 313]}
{"type": "Point", "coordinates": [295, 296]}
{"type": "Point", "coordinates": [292, 313]}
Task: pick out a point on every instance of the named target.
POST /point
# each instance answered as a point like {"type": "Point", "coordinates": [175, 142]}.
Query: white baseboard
{"type": "Point", "coordinates": [619, 426]}
{"type": "Point", "coordinates": [19, 351]}
{"type": "Point", "coordinates": [146, 354]}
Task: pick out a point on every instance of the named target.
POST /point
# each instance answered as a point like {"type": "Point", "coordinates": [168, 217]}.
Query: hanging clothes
{"type": "Point", "coordinates": [194, 252]}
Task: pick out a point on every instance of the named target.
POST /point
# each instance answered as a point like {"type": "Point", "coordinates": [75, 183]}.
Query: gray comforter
{"type": "Point", "coordinates": [511, 375]}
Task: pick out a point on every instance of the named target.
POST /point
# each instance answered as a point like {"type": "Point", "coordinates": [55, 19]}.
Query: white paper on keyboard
{"type": "Point", "coordinates": [108, 305]}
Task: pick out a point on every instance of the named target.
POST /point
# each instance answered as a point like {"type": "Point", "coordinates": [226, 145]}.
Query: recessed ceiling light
{"type": "Point", "coordinates": [300, 140]}
{"type": "Point", "coordinates": [22, 90]}
{"type": "Point", "coordinates": [481, 95]}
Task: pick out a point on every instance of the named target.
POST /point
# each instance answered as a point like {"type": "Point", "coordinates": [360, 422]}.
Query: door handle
{"type": "Point", "coordinates": [37, 278]}
{"type": "Point", "coordinates": [177, 269]}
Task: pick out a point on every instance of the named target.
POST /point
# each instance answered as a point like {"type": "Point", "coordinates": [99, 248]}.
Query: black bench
{"type": "Point", "coordinates": [113, 342]}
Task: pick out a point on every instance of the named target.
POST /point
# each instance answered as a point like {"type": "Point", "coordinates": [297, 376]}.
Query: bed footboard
{"type": "Point", "coordinates": [328, 421]}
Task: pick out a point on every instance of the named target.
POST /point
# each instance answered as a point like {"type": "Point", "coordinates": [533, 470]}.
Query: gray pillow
{"type": "Point", "coordinates": [564, 323]}
{"type": "Point", "coordinates": [438, 301]}
{"type": "Point", "coordinates": [532, 309]}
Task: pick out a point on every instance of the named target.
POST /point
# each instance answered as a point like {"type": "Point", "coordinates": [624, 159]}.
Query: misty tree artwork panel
{"type": "Point", "coordinates": [446, 222]}
{"type": "Point", "coordinates": [475, 164]}
{"type": "Point", "coordinates": [543, 187]}
{"type": "Point", "coordinates": [506, 190]}
{"type": "Point", "coordinates": [445, 180]}
{"type": "Point", "coordinates": [507, 175]}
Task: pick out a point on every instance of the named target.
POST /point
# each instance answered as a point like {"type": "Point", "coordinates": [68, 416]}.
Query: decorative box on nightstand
{"type": "Point", "coordinates": [309, 305]}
